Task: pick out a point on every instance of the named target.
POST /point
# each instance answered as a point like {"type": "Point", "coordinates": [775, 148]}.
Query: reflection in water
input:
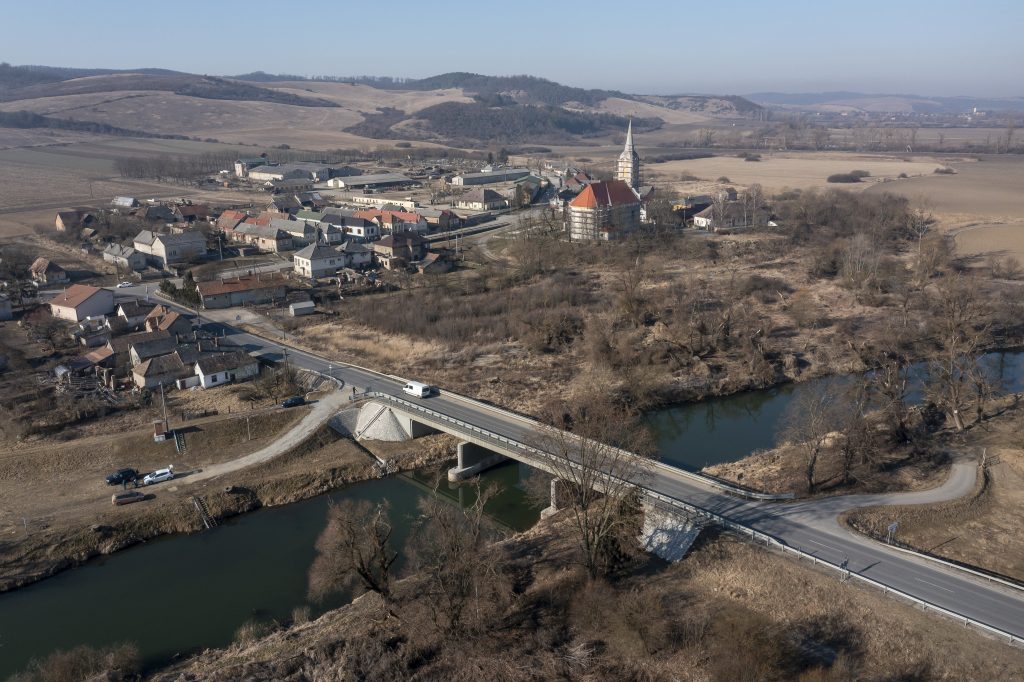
{"type": "Point", "coordinates": [726, 429]}
{"type": "Point", "coordinates": [178, 594]}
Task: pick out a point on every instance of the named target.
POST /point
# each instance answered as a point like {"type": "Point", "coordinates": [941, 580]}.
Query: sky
{"type": "Point", "coordinates": [937, 48]}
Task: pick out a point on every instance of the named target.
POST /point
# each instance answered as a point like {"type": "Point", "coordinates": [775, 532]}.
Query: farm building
{"type": "Point", "coordinates": [80, 301]}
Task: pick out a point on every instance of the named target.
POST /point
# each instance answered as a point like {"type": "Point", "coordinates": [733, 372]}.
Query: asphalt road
{"type": "Point", "coordinates": [810, 526]}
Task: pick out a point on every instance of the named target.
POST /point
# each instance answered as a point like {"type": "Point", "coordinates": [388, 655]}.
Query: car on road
{"type": "Point", "coordinates": [127, 497]}
{"type": "Point", "coordinates": [158, 476]}
{"type": "Point", "coordinates": [294, 401]}
{"type": "Point", "coordinates": [122, 476]}
{"type": "Point", "coordinates": [417, 389]}
{"type": "Point", "coordinates": [125, 285]}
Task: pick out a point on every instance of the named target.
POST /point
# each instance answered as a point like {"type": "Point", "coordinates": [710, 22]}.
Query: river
{"type": "Point", "coordinates": [179, 594]}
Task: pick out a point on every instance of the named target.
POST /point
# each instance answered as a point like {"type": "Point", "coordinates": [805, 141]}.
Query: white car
{"type": "Point", "coordinates": [158, 476]}
{"type": "Point", "coordinates": [125, 285]}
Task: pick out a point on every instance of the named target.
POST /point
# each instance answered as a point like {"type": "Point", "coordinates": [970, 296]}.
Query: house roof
{"type": "Point", "coordinates": [607, 193]}
{"type": "Point", "coordinates": [316, 252]}
{"type": "Point", "coordinates": [408, 239]}
{"type": "Point", "coordinates": [224, 362]}
{"type": "Point", "coordinates": [120, 250]}
{"type": "Point", "coordinates": [135, 308]}
{"type": "Point", "coordinates": [286, 202]}
{"type": "Point", "coordinates": [389, 217]}
{"type": "Point", "coordinates": [264, 231]}
{"type": "Point", "coordinates": [186, 237]}
{"type": "Point", "coordinates": [230, 218]}
{"type": "Point", "coordinates": [242, 283]}
{"type": "Point", "coordinates": [193, 210]}
{"type": "Point", "coordinates": [97, 356]}
{"type": "Point", "coordinates": [121, 344]}
{"type": "Point", "coordinates": [159, 365]}
{"type": "Point", "coordinates": [74, 296]}
{"type": "Point", "coordinates": [480, 196]}
{"type": "Point", "coordinates": [74, 216]}
{"type": "Point", "coordinates": [154, 347]}
{"type": "Point", "coordinates": [44, 265]}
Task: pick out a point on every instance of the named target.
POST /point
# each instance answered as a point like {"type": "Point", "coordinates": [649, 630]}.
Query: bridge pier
{"type": "Point", "coordinates": [412, 427]}
{"type": "Point", "coordinates": [473, 459]}
{"type": "Point", "coordinates": [558, 501]}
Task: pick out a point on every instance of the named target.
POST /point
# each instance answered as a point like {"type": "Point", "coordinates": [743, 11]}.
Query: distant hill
{"type": "Point", "coordinates": [462, 123]}
{"type": "Point", "coordinates": [883, 103]}
{"type": "Point", "coordinates": [31, 82]}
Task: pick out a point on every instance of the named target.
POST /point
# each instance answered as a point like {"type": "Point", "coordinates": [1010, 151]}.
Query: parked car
{"type": "Point", "coordinates": [125, 285]}
{"type": "Point", "coordinates": [294, 401]}
{"type": "Point", "coordinates": [158, 476]}
{"type": "Point", "coordinates": [127, 497]}
{"type": "Point", "coordinates": [417, 389]}
{"type": "Point", "coordinates": [122, 476]}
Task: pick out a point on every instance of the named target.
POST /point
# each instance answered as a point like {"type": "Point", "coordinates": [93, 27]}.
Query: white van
{"type": "Point", "coordinates": [415, 388]}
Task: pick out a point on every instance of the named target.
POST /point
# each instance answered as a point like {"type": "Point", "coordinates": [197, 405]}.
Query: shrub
{"type": "Point", "coordinates": [403, 145]}
{"type": "Point", "coordinates": [764, 289]}
{"type": "Point", "coordinates": [723, 179]}
{"type": "Point", "coordinates": [843, 177]}
{"type": "Point", "coordinates": [252, 631]}
{"type": "Point", "coordinates": [902, 175]}
{"type": "Point", "coordinates": [301, 614]}
{"type": "Point", "coordinates": [945, 170]}
{"type": "Point", "coordinates": [860, 173]}
{"type": "Point", "coordinates": [687, 176]}
{"type": "Point", "coordinates": [84, 662]}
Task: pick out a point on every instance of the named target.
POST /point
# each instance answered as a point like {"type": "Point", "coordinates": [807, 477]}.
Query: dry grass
{"type": "Point", "coordinates": [788, 170]}
{"type": "Point", "coordinates": [365, 346]}
{"type": "Point", "coordinates": [983, 529]}
{"type": "Point", "coordinates": [978, 243]}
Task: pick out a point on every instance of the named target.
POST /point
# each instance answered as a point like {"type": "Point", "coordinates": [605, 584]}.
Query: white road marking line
{"type": "Point", "coordinates": [934, 585]}
{"type": "Point", "coordinates": [822, 544]}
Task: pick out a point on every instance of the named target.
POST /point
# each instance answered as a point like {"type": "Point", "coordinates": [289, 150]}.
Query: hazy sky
{"type": "Point", "coordinates": [727, 47]}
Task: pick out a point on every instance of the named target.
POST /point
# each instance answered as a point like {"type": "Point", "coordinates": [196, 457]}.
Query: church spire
{"type": "Point", "coordinates": [628, 167]}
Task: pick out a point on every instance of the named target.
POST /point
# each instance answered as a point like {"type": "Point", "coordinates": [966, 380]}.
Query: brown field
{"type": "Point", "coordinates": [625, 107]}
{"type": "Point", "coordinates": [791, 170]}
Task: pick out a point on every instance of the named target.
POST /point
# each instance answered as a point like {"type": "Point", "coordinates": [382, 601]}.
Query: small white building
{"type": "Point", "coordinates": [302, 308]}
{"type": "Point", "coordinates": [224, 368]}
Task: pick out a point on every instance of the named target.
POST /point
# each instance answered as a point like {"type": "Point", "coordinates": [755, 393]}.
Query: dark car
{"type": "Point", "coordinates": [122, 476]}
{"type": "Point", "coordinates": [294, 401]}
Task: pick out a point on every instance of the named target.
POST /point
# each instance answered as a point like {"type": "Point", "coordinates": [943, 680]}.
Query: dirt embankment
{"type": "Point", "coordinates": [728, 611]}
{"type": "Point", "coordinates": [44, 533]}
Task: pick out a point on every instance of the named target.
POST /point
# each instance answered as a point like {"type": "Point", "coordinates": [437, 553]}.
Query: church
{"type": "Point", "coordinates": [610, 210]}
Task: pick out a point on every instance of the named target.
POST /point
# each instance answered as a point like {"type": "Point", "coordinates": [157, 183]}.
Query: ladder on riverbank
{"type": "Point", "coordinates": [204, 512]}
{"type": "Point", "coordinates": [179, 442]}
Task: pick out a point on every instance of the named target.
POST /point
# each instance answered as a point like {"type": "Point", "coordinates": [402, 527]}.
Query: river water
{"type": "Point", "coordinates": [179, 594]}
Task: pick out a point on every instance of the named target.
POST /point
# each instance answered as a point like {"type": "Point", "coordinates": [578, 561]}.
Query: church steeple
{"type": "Point", "coordinates": [628, 168]}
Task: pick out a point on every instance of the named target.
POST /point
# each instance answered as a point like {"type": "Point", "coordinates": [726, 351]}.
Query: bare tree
{"type": "Point", "coordinates": [597, 475]}
{"type": "Point", "coordinates": [807, 423]}
{"type": "Point", "coordinates": [354, 552]}
{"type": "Point", "coordinates": [459, 563]}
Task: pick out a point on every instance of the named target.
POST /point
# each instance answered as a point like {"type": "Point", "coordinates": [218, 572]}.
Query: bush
{"type": "Point", "coordinates": [945, 170]}
{"type": "Point", "coordinates": [723, 179]}
{"type": "Point", "coordinates": [687, 176]}
{"type": "Point", "coordinates": [117, 662]}
{"type": "Point", "coordinates": [902, 176]}
{"type": "Point", "coordinates": [301, 614]}
{"type": "Point", "coordinates": [860, 173]}
{"type": "Point", "coordinates": [764, 289]}
{"type": "Point", "coordinates": [403, 145]}
{"type": "Point", "coordinates": [843, 177]}
{"type": "Point", "coordinates": [252, 631]}
{"type": "Point", "coordinates": [749, 156]}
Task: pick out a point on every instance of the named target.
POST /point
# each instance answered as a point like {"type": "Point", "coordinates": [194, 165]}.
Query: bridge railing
{"type": "Point", "coordinates": [700, 512]}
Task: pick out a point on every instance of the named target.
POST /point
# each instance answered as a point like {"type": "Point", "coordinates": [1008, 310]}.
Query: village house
{"type": "Point", "coordinates": [433, 263]}
{"type": "Point", "coordinates": [162, 370]}
{"type": "Point", "coordinates": [120, 347]}
{"type": "Point", "coordinates": [441, 220]}
{"type": "Point", "coordinates": [604, 211]}
{"type": "Point", "coordinates": [162, 318]}
{"type": "Point", "coordinates": [251, 289]}
{"type": "Point", "coordinates": [224, 368]}
{"type": "Point", "coordinates": [124, 202]}
{"type": "Point", "coordinates": [395, 222]}
{"type": "Point", "coordinates": [487, 177]}
{"type": "Point", "coordinates": [730, 215]}
{"type": "Point", "coordinates": [143, 350]}
{"type": "Point", "coordinates": [285, 203]}
{"type": "Point", "coordinates": [125, 257]}
{"type": "Point", "coordinates": [164, 249]}
{"type": "Point", "coordinates": [80, 301]}
{"type": "Point", "coordinates": [73, 220]}
{"type": "Point", "coordinates": [45, 271]}
{"type": "Point", "coordinates": [134, 312]}
{"type": "Point", "coordinates": [266, 238]}
{"type": "Point", "coordinates": [230, 219]}
{"type": "Point", "coordinates": [396, 250]}
{"type": "Point", "coordinates": [192, 213]}
{"type": "Point", "coordinates": [156, 214]}
{"type": "Point", "coordinates": [481, 199]}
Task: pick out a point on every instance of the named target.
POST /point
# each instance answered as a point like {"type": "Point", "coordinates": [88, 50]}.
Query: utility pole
{"type": "Point", "coordinates": [163, 403]}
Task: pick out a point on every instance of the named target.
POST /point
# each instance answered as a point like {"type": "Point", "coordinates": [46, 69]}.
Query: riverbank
{"type": "Point", "coordinates": [52, 533]}
{"type": "Point", "coordinates": [793, 620]}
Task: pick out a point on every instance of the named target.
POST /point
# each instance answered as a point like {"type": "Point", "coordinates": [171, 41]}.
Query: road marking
{"type": "Point", "coordinates": [822, 544]}
{"type": "Point", "coordinates": [934, 585]}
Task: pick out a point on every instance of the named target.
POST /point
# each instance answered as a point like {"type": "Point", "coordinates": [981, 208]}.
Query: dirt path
{"type": "Point", "coordinates": [323, 409]}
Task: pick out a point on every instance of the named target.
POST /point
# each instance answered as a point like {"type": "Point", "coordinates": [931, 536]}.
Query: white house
{"type": "Point", "coordinates": [170, 248]}
{"type": "Point", "coordinates": [481, 200]}
{"type": "Point", "coordinates": [80, 301]}
{"type": "Point", "coordinates": [317, 260]}
{"type": "Point", "coordinates": [224, 368]}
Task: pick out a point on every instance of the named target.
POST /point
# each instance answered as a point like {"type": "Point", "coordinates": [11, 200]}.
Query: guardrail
{"type": "Point", "coordinates": [735, 490]}
{"type": "Point", "coordinates": [694, 510]}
